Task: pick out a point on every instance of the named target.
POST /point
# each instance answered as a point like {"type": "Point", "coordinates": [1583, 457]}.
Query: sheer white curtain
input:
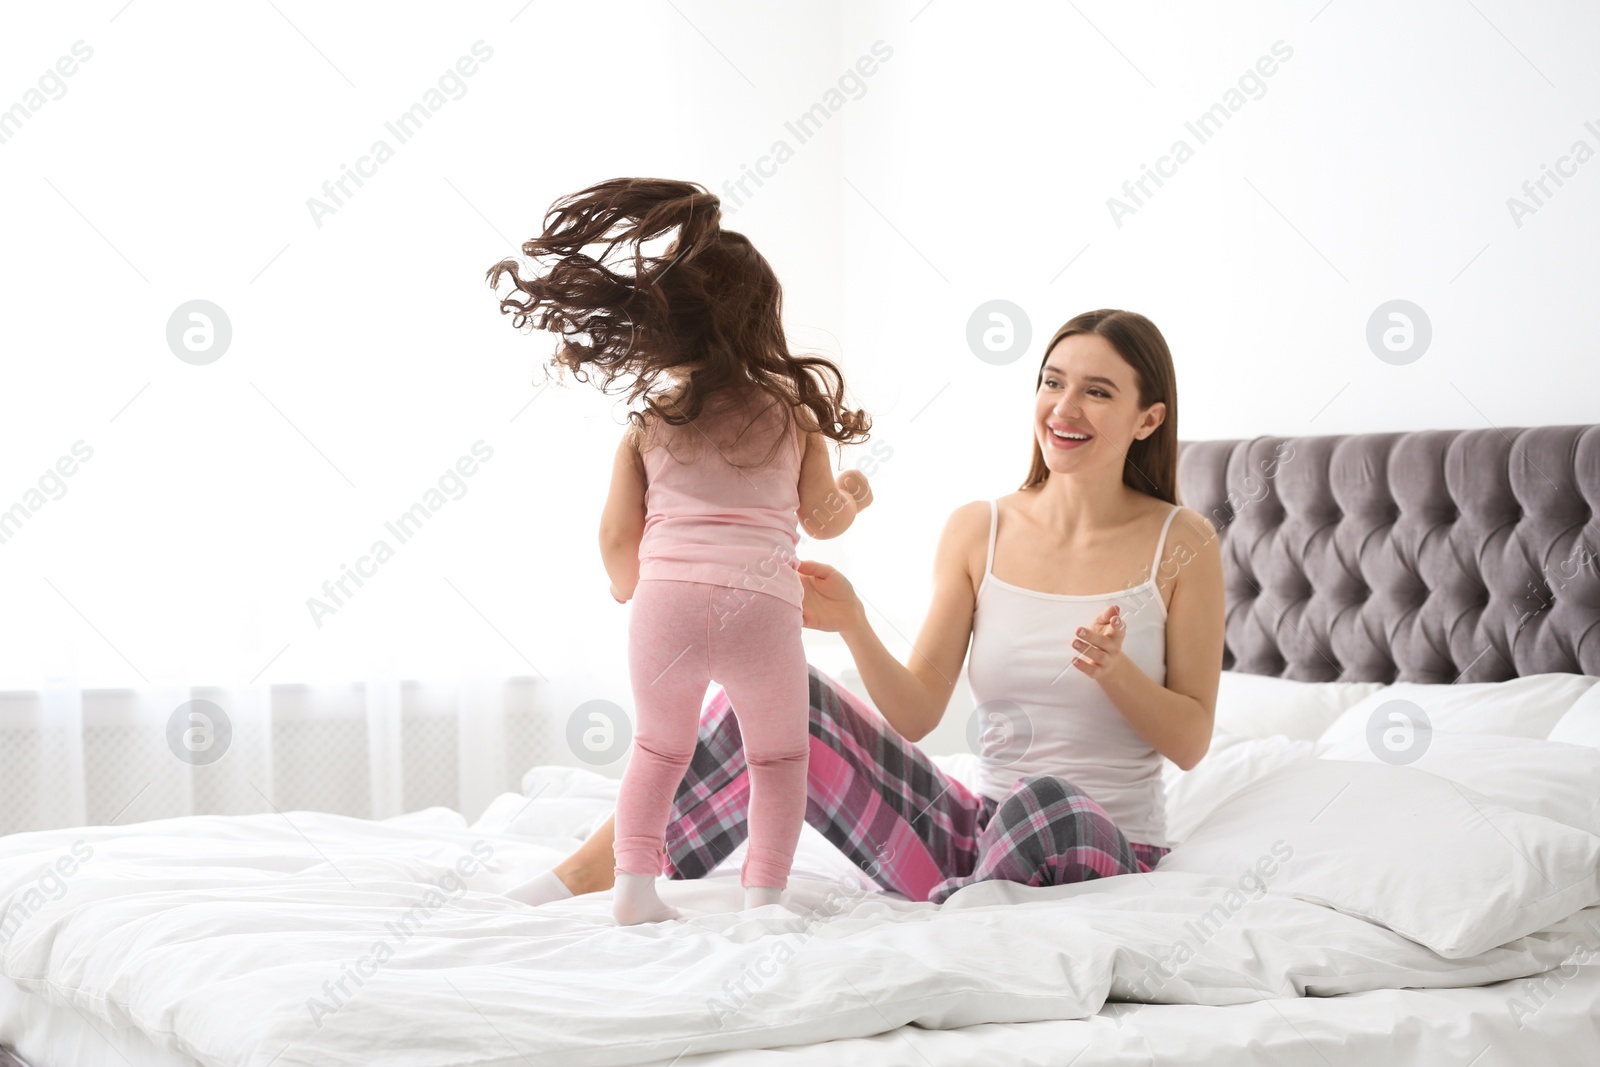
{"type": "Point", "coordinates": [70, 756]}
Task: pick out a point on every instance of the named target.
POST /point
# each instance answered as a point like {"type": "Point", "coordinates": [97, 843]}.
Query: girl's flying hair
{"type": "Point", "coordinates": [706, 311]}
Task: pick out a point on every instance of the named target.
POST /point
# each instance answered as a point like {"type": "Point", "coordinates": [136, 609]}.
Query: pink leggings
{"type": "Point", "coordinates": [681, 636]}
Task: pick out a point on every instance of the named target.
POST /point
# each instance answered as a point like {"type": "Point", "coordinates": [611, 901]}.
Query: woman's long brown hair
{"type": "Point", "coordinates": [709, 311]}
{"type": "Point", "coordinates": [1151, 465]}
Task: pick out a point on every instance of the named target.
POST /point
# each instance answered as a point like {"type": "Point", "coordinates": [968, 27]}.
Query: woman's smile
{"type": "Point", "coordinates": [1067, 438]}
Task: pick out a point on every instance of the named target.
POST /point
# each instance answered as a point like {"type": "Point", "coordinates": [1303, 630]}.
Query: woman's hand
{"type": "Point", "coordinates": [1098, 647]}
{"type": "Point", "coordinates": [830, 600]}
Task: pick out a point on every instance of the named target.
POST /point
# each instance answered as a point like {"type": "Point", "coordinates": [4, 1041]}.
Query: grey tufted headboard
{"type": "Point", "coordinates": [1424, 556]}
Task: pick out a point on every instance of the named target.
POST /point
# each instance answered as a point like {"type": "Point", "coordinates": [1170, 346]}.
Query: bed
{"type": "Point", "coordinates": [1436, 586]}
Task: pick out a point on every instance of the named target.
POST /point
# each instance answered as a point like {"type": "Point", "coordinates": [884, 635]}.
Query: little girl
{"type": "Point", "coordinates": [706, 486]}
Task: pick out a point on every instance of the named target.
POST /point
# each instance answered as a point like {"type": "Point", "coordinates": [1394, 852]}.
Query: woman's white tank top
{"type": "Point", "coordinates": [1037, 714]}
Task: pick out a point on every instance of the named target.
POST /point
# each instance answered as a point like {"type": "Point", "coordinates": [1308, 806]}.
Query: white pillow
{"type": "Point", "coordinates": [1519, 707]}
{"type": "Point", "coordinates": [1427, 858]}
{"type": "Point", "coordinates": [1231, 764]}
{"type": "Point", "coordinates": [1558, 781]}
{"type": "Point", "coordinates": [1581, 724]}
{"type": "Point", "coordinates": [1259, 705]}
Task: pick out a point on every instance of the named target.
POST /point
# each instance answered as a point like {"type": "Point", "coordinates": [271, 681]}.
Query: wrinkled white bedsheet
{"type": "Point", "coordinates": [309, 938]}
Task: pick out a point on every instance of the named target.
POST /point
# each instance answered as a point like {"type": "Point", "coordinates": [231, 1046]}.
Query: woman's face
{"type": "Point", "coordinates": [1086, 388]}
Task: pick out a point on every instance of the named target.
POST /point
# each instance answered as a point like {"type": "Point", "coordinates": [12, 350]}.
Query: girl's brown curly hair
{"type": "Point", "coordinates": [708, 310]}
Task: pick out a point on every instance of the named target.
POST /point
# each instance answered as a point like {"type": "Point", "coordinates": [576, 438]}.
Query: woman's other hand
{"type": "Point", "coordinates": [830, 600]}
{"type": "Point", "coordinates": [1097, 648]}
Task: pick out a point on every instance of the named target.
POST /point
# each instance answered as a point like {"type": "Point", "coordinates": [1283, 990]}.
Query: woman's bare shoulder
{"type": "Point", "coordinates": [1190, 528]}
{"type": "Point", "coordinates": [966, 526]}
{"type": "Point", "coordinates": [1191, 539]}
{"type": "Point", "coordinates": [970, 519]}
{"type": "Point", "coordinates": [964, 544]}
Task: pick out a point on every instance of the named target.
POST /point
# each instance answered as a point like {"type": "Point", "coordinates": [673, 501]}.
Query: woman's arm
{"type": "Point", "coordinates": [622, 521]}
{"type": "Point", "coordinates": [912, 697]}
{"type": "Point", "coordinates": [1177, 718]}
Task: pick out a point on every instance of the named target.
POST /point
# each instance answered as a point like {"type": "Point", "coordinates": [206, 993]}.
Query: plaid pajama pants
{"type": "Point", "coordinates": [882, 802]}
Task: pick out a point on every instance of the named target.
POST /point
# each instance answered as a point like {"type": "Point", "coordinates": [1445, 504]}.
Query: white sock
{"type": "Point", "coordinates": [540, 889]}
{"type": "Point", "coordinates": [635, 901]}
{"type": "Point", "coordinates": [757, 896]}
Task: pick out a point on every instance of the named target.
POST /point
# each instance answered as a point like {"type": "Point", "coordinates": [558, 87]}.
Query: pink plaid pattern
{"type": "Point", "coordinates": [883, 803]}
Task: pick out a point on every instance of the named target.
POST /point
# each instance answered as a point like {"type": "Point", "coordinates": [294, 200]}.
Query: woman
{"type": "Point", "coordinates": [1083, 693]}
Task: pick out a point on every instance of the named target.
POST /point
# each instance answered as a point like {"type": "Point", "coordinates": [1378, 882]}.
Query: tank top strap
{"type": "Point", "coordinates": [994, 525]}
{"type": "Point", "coordinates": [1161, 545]}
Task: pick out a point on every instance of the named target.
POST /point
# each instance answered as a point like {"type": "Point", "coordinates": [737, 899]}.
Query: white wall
{"type": "Point", "coordinates": [1375, 164]}
{"type": "Point", "coordinates": [367, 352]}
{"type": "Point", "coordinates": [973, 164]}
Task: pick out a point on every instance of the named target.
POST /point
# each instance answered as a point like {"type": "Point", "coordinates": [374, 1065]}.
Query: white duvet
{"type": "Point", "coordinates": [313, 939]}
